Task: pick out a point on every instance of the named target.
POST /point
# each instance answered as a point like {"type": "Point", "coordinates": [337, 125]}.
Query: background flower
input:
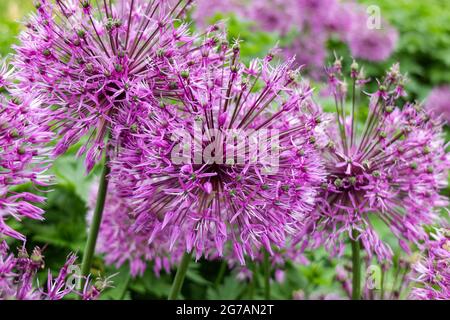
{"type": "Point", "coordinates": [438, 102]}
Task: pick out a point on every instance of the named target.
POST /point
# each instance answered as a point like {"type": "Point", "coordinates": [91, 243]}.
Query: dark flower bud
{"type": "Point", "coordinates": [173, 85]}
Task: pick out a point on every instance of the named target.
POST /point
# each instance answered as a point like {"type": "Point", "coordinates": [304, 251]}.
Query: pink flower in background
{"type": "Point", "coordinates": [309, 51]}
{"type": "Point", "coordinates": [308, 25]}
{"type": "Point", "coordinates": [438, 102]}
{"type": "Point", "coordinates": [370, 44]}
{"type": "Point", "coordinates": [204, 10]}
{"type": "Point", "coordinates": [273, 15]}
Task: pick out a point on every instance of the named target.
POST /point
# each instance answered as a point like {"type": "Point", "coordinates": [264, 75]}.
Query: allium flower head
{"type": "Point", "coordinates": [121, 240]}
{"type": "Point", "coordinates": [432, 271]}
{"type": "Point", "coordinates": [234, 162]}
{"type": "Point", "coordinates": [91, 61]}
{"type": "Point", "coordinates": [391, 170]}
{"type": "Point", "coordinates": [438, 102]}
{"type": "Point", "coordinates": [22, 160]}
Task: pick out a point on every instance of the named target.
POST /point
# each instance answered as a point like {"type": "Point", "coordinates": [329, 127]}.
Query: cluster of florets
{"type": "Point", "coordinates": [123, 239]}
{"type": "Point", "coordinates": [391, 170]}
{"type": "Point", "coordinates": [91, 64]}
{"type": "Point", "coordinates": [23, 156]}
{"type": "Point", "coordinates": [313, 23]}
{"type": "Point", "coordinates": [233, 162]}
{"type": "Point", "coordinates": [18, 280]}
{"type": "Point", "coordinates": [432, 271]}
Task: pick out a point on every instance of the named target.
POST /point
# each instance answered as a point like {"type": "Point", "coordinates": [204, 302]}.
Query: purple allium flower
{"type": "Point", "coordinates": [310, 52]}
{"type": "Point", "coordinates": [432, 271]}
{"type": "Point", "coordinates": [122, 240]}
{"type": "Point", "coordinates": [273, 15]}
{"type": "Point", "coordinates": [23, 158]}
{"type": "Point", "coordinates": [438, 102]}
{"type": "Point", "coordinates": [370, 43]}
{"type": "Point", "coordinates": [91, 61]}
{"type": "Point", "coordinates": [389, 171]}
{"type": "Point", "coordinates": [18, 280]}
{"type": "Point", "coordinates": [193, 169]}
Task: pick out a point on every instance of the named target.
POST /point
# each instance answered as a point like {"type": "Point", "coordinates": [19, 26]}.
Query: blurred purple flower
{"type": "Point", "coordinates": [370, 43]}
{"type": "Point", "coordinates": [438, 102]}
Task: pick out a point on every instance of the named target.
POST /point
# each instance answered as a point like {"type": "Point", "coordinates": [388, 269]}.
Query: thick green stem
{"type": "Point", "coordinates": [125, 286]}
{"type": "Point", "coordinates": [179, 277]}
{"type": "Point", "coordinates": [356, 268]}
{"type": "Point", "coordinates": [95, 225]}
{"type": "Point", "coordinates": [266, 275]}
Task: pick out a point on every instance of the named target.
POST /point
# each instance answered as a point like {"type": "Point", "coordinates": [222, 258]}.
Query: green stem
{"type": "Point", "coordinates": [253, 284]}
{"type": "Point", "coordinates": [95, 225]}
{"type": "Point", "coordinates": [125, 286]}
{"type": "Point", "coordinates": [356, 268]}
{"type": "Point", "coordinates": [266, 275]}
{"type": "Point", "coordinates": [179, 277]}
{"type": "Point", "coordinates": [223, 268]}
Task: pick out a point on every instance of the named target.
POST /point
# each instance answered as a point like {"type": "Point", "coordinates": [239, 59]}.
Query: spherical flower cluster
{"type": "Point", "coordinates": [23, 158]}
{"type": "Point", "coordinates": [18, 279]}
{"type": "Point", "coordinates": [123, 239]}
{"type": "Point", "coordinates": [389, 171]}
{"type": "Point", "coordinates": [91, 61]}
{"type": "Point", "coordinates": [233, 162]}
{"type": "Point", "coordinates": [432, 271]}
{"type": "Point", "coordinates": [438, 102]}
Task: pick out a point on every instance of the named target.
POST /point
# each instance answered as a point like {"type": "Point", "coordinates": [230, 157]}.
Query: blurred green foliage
{"type": "Point", "coordinates": [11, 12]}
